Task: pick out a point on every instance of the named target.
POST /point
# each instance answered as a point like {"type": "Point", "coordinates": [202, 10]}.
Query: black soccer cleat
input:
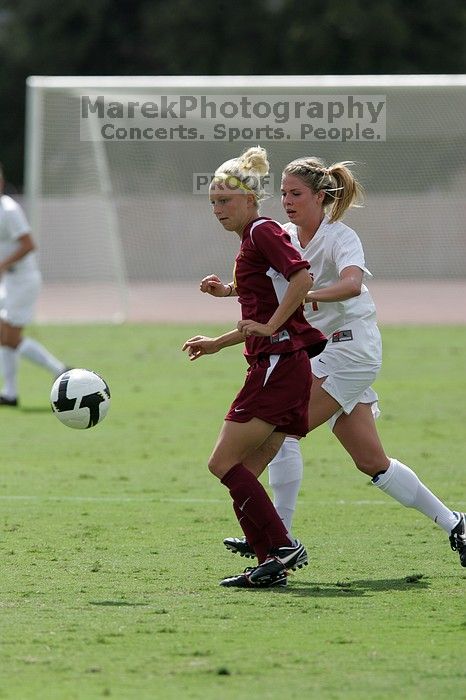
{"type": "Point", "coordinates": [280, 560]}
{"type": "Point", "coordinates": [270, 570]}
{"type": "Point", "coordinates": [458, 539]}
{"type": "Point", "coordinates": [8, 402]}
{"type": "Point", "coordinates": [239, 545]}
{"type": "Point", "coordinates": [244, 580]}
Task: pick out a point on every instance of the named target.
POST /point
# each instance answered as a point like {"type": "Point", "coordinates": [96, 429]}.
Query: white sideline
{"type": "Point", "coordinates": [155, 499]}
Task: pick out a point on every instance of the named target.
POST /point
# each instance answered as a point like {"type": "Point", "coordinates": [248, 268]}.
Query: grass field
{"type": "Point", "coordinates": [111, 546]}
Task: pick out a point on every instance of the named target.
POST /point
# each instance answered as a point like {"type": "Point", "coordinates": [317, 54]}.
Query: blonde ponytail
{"type": "Point", "coordinates": [349, 192]}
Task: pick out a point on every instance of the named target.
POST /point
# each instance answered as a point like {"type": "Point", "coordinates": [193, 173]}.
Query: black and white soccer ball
{"type": "Point", "coordinates": [80, 398]}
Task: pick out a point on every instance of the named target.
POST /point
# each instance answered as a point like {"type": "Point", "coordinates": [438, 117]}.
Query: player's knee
{"type": "Point", "coordinates": [367, 466]}
{"type": "Point", "coordinates": [215, 467]}
{"type": "Point", "coordinates": [211, 466]}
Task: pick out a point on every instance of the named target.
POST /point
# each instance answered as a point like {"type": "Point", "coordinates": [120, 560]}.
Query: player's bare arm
{"type": "Point", "coordinates": [25, 246]}
{"type": "Point", "coordinates": [347, 287]}
{"type": "Point", "coordinates": [213, 285]}
{"type": "Point", "coordinates": [299, 285]}
{"type": "Point", "coordinates": [201, 345]}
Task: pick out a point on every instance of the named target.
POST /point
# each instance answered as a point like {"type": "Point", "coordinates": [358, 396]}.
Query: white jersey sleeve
{"type": "Point", "coordinates": [347, 250]}
{"type": "Point", "coordinates": [13, 225]}
{"type": "Point", "coordinates": [14, 218]}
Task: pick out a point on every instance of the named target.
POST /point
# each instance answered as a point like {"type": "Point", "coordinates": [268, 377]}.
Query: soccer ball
{"type": "Point", "coordinates": [80, 398]}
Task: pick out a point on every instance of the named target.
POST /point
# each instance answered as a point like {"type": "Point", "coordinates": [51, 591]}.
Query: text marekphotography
{"type": "Point", "coordinates": [243, 118]}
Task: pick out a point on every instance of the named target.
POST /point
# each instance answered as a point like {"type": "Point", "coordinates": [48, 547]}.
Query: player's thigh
{"type": "Point", "coordinates": [358, 434]}
{"type": "Point", "coordinates": [236, 442]}
{"type": "Point", "coordinates": [322, 406]}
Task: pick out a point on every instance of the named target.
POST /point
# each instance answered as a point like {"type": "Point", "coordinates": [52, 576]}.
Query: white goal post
{"type": "Point", "coordinates": [116, 170]}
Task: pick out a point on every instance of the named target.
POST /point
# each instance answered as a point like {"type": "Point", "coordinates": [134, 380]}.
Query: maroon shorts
{"type": "Point", "coordinates": [276, 390]}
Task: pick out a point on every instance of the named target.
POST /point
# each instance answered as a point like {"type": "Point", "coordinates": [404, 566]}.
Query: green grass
{"type": "Point", "coordinates": [111, 549]}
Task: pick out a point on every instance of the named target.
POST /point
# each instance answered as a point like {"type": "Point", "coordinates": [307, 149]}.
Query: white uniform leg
{"type": "Point", "coordinates": [10, 372]}
{"type": "Point", "coordinates": [35, 352]}
{"type": "Point", "coordinates": [400, 482]}
{"type": "Point", "coordinates": [285, 477]}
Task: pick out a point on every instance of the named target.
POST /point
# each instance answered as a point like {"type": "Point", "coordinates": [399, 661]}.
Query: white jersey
{"type": "Point", "coordinates": [13, 225]}
{"type": "Point", "coordinates": [348, 368]}
{"type": "Point", "coordinates": [334, 247]}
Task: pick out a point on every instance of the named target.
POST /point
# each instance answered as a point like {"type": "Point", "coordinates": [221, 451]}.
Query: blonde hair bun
{"type": "Point", "coordinates": [247, 170]}
{"type": "Point", "coordinates": [255, 160]}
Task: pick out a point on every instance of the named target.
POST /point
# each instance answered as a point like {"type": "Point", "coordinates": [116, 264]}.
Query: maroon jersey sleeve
{"type": "Point", "coordinates": [274, 244]}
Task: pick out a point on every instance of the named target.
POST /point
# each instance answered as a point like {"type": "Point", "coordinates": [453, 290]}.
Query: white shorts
{"type": "Point", "coordinates": [351, 362]}
{"type": "Point", "coordinates": [18, 296]}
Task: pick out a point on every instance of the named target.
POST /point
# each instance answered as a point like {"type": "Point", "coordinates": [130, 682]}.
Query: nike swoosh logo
{"type": "Point", "coordinates": [237, 410]}
{"type": "Point", "coordinates": [247, 499]}
{"type": "Point", "coordinates": [321, 361]}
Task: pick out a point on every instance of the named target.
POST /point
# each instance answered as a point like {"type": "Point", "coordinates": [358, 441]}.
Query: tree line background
{"type": "Point", "coordinates": [216, 37]}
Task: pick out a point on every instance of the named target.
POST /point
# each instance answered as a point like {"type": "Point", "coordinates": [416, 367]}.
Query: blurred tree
{"type": "Point", "coordinates": [389, 36]}
{"type": "Point", "coordinates": [154, 37]}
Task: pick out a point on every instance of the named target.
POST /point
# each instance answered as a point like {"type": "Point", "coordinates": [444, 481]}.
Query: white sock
{"type": "Point", "coordinates": [285, 477]}
{"type": "Point", "coordinates": [10, 372]}
{"type": "Point", "coordinates": [36, 352]}
{"type": "Point", "coordinates": [400, 482]}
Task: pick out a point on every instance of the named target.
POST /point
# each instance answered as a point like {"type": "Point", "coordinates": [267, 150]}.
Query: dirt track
{"type": "Point", "coordinates": [397, 303]}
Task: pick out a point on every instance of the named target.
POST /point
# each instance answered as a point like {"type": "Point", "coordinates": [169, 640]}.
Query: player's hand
{"type": "Point", "coordinates": [214, 285]}
{"type": "Point", "coordinates": [200, 345]}
{"type": "Point", "coordinates": [248, 327]}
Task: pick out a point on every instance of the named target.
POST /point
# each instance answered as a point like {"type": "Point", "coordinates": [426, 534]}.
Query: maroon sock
{"type": "Point", "coordinates": [260, 544]}
{"type": "Point", "coordinates": [251, 498]}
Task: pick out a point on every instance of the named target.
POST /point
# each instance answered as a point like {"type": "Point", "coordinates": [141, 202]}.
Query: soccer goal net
{"type": "Point", "coordinates": [117, 172]}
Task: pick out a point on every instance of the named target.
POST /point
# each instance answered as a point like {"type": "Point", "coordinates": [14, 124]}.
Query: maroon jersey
{"type": "Point", "coordinates": [264, 264]}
